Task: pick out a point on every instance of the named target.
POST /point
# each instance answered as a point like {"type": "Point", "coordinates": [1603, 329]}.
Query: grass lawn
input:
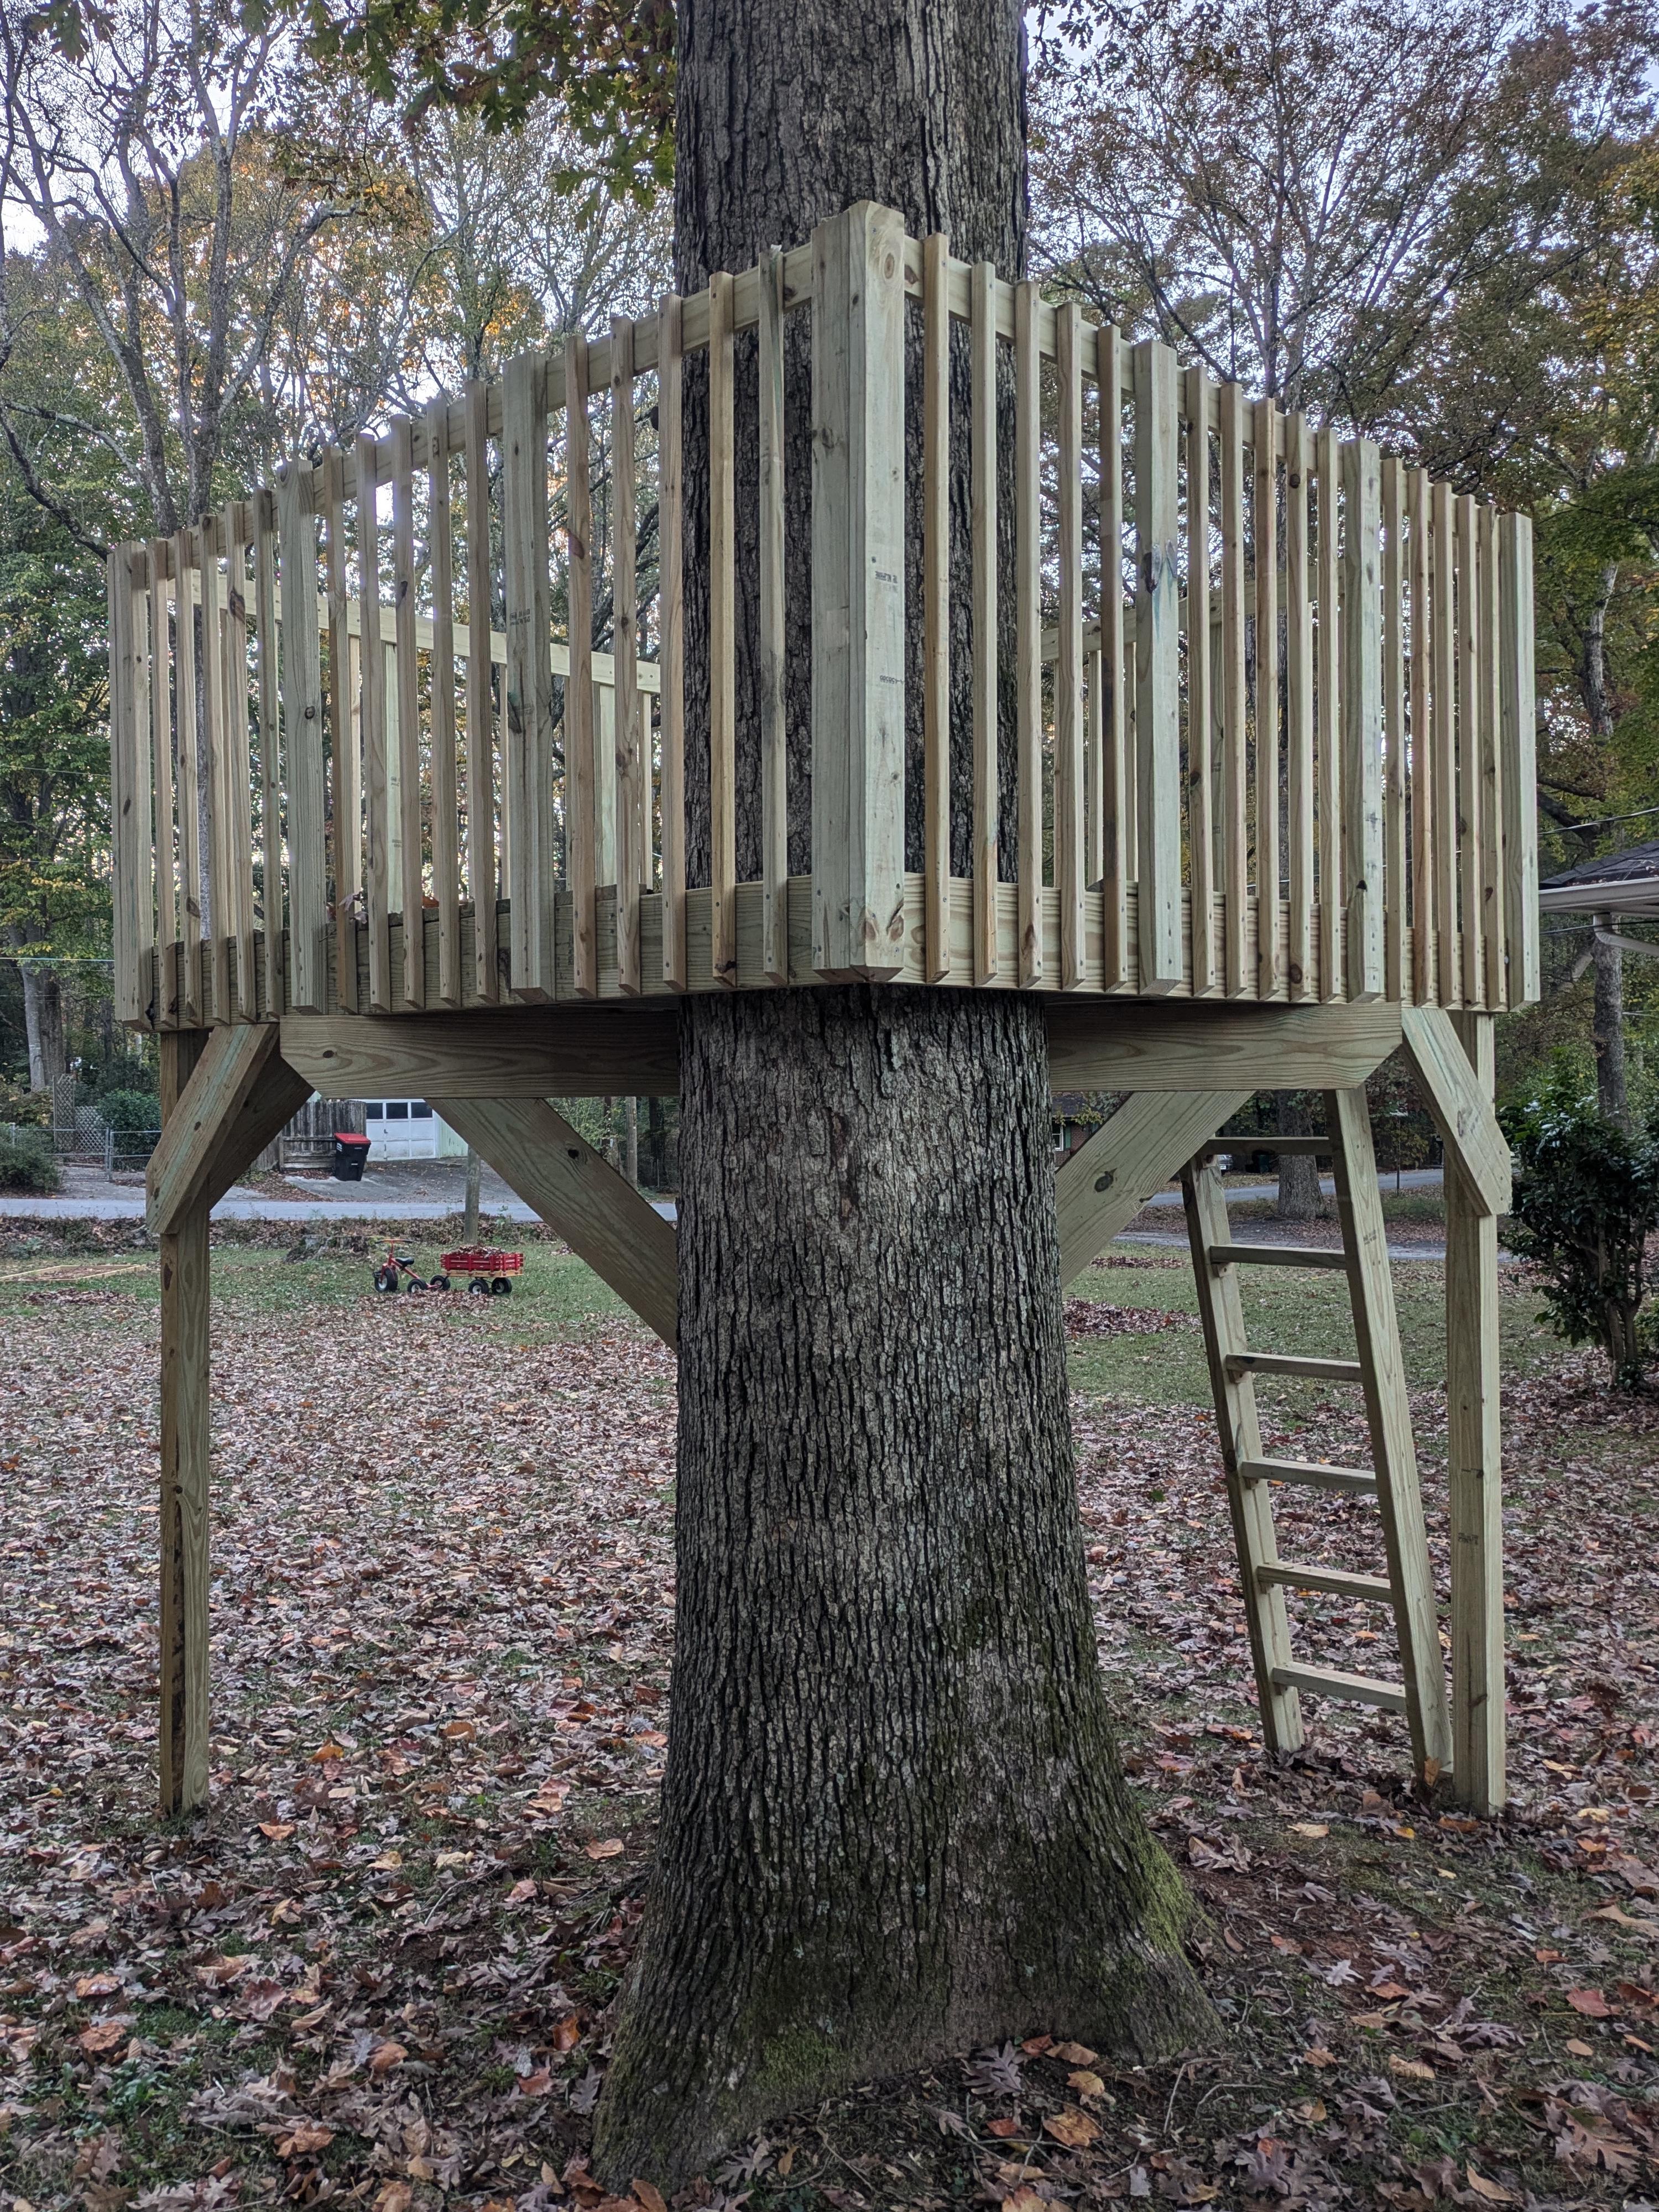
{"type": "Point", "coordinates": [378, 1969]}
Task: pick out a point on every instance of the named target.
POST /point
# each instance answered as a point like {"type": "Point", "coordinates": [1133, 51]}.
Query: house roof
{"type": "Point", "coordinates": [1625, 883]}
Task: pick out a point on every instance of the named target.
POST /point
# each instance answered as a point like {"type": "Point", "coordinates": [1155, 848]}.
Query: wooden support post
{"type": "Point", "coordinates": [183, 1656]}
{"type": "Point", "coordinates": [1474, 1456]}
{"type": "Point", "coordinates": [858, 594]}
{"type": "Point", "coordinates": [1361, 689]}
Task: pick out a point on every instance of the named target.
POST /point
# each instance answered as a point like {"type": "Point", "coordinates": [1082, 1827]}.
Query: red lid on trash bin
{"type": "Point", "coordinates": [348, 1137]}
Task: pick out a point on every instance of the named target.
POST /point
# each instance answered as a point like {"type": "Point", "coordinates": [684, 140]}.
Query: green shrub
{"type": "Point", "coordinates": [31, 1108]}
{"type": "Point", "coordinates": [135, 1118]}
{"type": "Point", "coordinates": [26, 1162]}
{"type": "Point", "coordinates": [1586, 1202]}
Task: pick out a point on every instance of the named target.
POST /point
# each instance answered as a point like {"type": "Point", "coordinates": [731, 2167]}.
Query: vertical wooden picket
{"type": "Point", "coordinates": [1328, 733]}
{"type": "Point", "coordinates": [215, 844]}
{"type": "Point", "coordinates": [239, 767]}
{"type": "Point", "coordinates": [1264, 517]}
{"type": "Point", "coordinates": [446, 796]}
{"type": "Point", "coordinates": [482, 876]}
{"type": "Point", "coordinates": [377, 880]}
{"type": "Point", "coordinates": [1200, 817]}
{"type": "Point", "coordinates": [1393, 732]}
{"type": "Point", "coordinates": [302, 745]}
{"type": "Point", "coordinates": [671, 522]}
{"type": "Point", "coordinates": [1426, 977]}
{"type": "Point", "coordinates": [127, 802]}
{"type": "Point", "coordinates": [1157, 670]}
{"type": "Point", "coordinates": [160, 551]}
{"type": "Point", "coordinates": [1494, 960]}
{"type": "Point", "coordinates": [1028, 629]}
{"type": "Point", "coordinates": [190, 780]}
{"type": "Point", "coordinates": [1362, 719]}
{"type": "Point", "coordinates": [936, 607]}
{"type": "Point", "coordinates": [983, 438]}
{"type": "Point", "coordinates": [723, 635]}
{"type": "Point", "coordinates": [527, 719]}
{"type": "Point", "coordinates": [1114, 735]}
{"type": "Point", "coordinates": [1470, 745]}
{"type": "Point", "coordinates": [626, 763]}
{"type": "Point", "coordinates": [858, 593]}
{"type": "Point", "coordinates": [346, 755]}
{"type": "Point", "coordinates": [1235, 794]}
{"type": "Point", "coordinates": [1518, 709]}
{"type": "Point", "coordinates": [774, 755]}
{"type": "Point", "coordinates": [1299, 776]}
{"type": "Point", "coordinates": [1443, 746]}
{"type": "Point", "coordinates": [1068, 668]}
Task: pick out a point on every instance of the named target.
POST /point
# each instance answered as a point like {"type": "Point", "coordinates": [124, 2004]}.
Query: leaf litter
{"type": "Point", "coordinates": [380, 1969]}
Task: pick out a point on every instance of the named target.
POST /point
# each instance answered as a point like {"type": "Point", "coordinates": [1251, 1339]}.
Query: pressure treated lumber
{"type": "Point", "coordinates": [182, 1656]}
{"type": "Point", "coordinates": [1474, 1469]}
{"type": "Point", "coordinates": [858, 595]}
{"type": "Point", "coordinates": [1387, 1410]}
{"type": "Point", "coordinates": [519, 1052]}
{"type": "Point", "coordinates": [1103, 1185]}
{"type": "Point", "coordinates": [1221, 1311]}
{"type": "Point", "coordinates": [241, 1094]}
{"type": "Point", "coordinates": [1462, 1110]}
{"type": "Point", "coordinates": [1126, 1045]}
{"type": "Point", "coordinates": [603, 1219]}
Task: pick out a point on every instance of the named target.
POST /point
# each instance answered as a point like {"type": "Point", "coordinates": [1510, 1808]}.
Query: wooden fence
{"type": "Point", "coordinates": [1272, 693]}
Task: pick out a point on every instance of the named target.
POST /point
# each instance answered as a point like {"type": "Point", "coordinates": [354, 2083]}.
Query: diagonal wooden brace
{"type": "Point", "coordinates": [241, 1094]}
{"type": "Point", "coordinates": [1463, 1112]}
{"type": "Point", "coordinates": [1103, 1185]}
{"type": "Point", "coordinates": [623, 1239]}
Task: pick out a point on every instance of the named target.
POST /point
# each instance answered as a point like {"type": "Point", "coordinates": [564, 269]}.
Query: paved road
{"type": "Point", "coordinates": [433, 1190]}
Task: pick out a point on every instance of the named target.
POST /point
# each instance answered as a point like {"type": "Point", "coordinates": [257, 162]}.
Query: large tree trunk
{"type": "Point", "coordinates": [1608, 1033]}
{"type": "Point", "coordinates": [893, 1823]}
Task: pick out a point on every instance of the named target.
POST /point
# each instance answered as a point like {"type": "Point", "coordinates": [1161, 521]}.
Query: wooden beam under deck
{"type": "Point", "coordinates": [510, 1052]}
{"type": "Point", "coordinates": [1197, 1045]}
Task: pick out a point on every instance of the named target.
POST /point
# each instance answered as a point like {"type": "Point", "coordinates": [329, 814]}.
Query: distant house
{"type": "Point", "coordinates": [1626, 884]}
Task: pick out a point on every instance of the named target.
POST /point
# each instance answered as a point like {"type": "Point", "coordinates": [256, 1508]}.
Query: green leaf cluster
{"type": "Point", "coordinates": [1586, 1202]}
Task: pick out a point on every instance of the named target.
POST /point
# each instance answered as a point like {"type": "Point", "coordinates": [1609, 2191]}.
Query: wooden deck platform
{"type": "Point", "coordinates": [1268, 733]}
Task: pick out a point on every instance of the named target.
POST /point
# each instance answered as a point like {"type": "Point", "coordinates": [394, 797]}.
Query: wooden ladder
{"type": "Point", "coordinates": [1406, 1586]}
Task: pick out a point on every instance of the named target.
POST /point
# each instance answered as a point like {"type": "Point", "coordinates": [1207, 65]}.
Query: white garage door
{"type": "Point", "coordinates": [400, 1129]}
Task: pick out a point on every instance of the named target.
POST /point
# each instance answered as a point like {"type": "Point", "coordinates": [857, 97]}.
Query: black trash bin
{"type": "Point", "coordinates": [350, 1155]}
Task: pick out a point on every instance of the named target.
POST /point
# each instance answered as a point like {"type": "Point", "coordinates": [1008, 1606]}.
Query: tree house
{"type": "Point", "coordinates": [1243, 788]}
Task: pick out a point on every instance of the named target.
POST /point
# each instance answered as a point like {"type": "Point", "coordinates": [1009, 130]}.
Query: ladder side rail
{"type": "Point", "coordinates": [1387, 1410]}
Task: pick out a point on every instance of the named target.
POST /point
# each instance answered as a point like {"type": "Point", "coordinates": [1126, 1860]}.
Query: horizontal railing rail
{"type": "Point", "coordinates": [1272, 693]}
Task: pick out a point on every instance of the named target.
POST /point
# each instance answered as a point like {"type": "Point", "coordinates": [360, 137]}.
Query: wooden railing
{"type": "Point", "coordinates": [1272, 733]}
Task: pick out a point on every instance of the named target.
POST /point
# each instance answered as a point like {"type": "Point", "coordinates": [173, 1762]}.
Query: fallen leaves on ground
{"type": "Point", "coordinates": [379, 1970]}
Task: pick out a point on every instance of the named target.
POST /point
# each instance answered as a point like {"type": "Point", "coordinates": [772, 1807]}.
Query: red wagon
{"type": "Point", "coordinates": [488, 1267]}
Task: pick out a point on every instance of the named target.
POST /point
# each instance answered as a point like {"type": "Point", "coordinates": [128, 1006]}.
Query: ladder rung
{"type": "Point", "coordinates": [1309, 1474]}
{"type": "Point", "coordinates": [1330, 1682]}
{"type": "Point", "coordinates": [1291, 1363]}
{"type": "Point", "coordinates": [1275, 1255]}
{"type": "Point", "coordinates": [1289, 1575]}
{"type": "Point", "coordinates": [1326, 1147]}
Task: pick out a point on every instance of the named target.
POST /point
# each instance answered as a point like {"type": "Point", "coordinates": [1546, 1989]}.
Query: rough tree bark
{"type": "Point", "coordinates": [893, 1822]}
{"type": "Point", "coordinates": [43, 1022]}
{"type": "Point", "coordinates": [1299, 1173]}
{"type": "Point", "coordinates": [1607, 1030]}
